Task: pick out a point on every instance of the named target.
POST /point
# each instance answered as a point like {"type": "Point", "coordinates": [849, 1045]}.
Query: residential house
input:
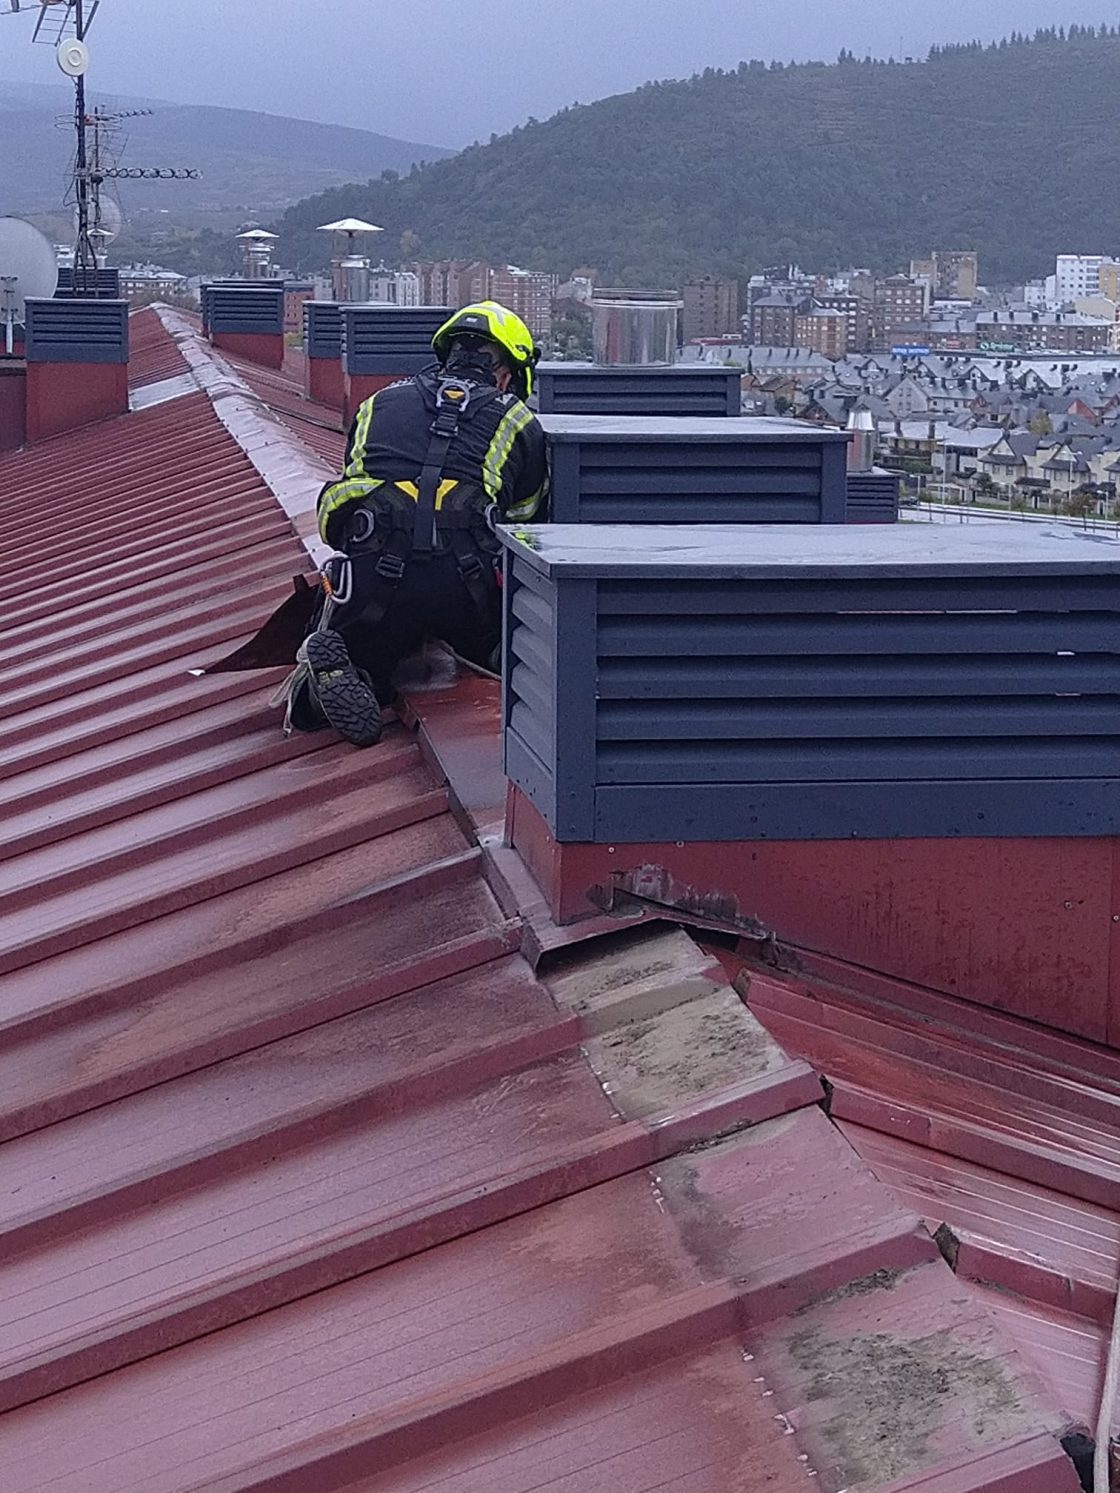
{"type": "Point", "coordinates": [908, 398]}
{"type": "Point", "coordinates": [1008, 461]}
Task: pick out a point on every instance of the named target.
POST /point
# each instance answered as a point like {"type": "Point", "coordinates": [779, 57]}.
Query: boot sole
{"type": "Point", "coordinates": [344, 697]}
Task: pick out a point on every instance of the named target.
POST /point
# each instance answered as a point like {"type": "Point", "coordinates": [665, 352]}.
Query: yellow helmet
{"type": "Point", "coordinates": [495, 323]}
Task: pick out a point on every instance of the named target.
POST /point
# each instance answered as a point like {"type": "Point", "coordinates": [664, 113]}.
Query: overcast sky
{"type": "Point", "coordinates": [447, 72]}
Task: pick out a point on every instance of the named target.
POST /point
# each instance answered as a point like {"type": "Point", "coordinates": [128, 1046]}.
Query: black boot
{"type": "Point", "coordinates": [341, 693]}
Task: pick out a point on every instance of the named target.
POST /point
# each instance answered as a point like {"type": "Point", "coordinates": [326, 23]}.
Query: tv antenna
{"type": "Point", "coordinates": [103, 128]}
{"type": "Point", "coordinates": [27, 268]}
{"type": "Point", "coordinates": [65, 25]}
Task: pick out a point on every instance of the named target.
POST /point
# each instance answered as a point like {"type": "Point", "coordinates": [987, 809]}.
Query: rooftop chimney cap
{"type": "Point", "coordinates": [349, 225]}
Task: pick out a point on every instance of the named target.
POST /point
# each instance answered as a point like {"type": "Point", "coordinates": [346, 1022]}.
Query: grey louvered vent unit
{"type": "Point", "coordinates": [107, 284]}
{"type": "Point", "coordinates": [685, 389]}
{"type": "Point", "coordinates": [245, 310]}
{"type": "Point", "coordinates": [322, 330]}
{"type": "Point", "coordinates": [735, 683]}
{"type": "Point", "coordinates": [77, 331]}
{"type": "Point", "coordinates": [873, 497]}
{"type": "Point", "coordinates": [646, 470]}
{"type": "Point", "coordinates": [381, 340]}
{"type": "Point", "coordinates": [204, 295]}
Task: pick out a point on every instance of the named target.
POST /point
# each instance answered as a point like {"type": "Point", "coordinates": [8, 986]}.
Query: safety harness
{"type": "Point", "coordinates": [398, 534]}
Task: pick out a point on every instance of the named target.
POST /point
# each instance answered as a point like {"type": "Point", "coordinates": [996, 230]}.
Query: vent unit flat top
{"type": "Point", "coordinates": [386, 311]}
{"type": "Point", "coordinates": [685, 428]}
{"type": "Point", "coordinates": [804, 552]}
{"type": "Point", "coordinates": [647, 370]}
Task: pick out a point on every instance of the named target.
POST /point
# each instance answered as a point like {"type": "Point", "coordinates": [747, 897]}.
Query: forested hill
{"type": "Point", "coordinates": [1012, 149]}
{"type": "Point", "coordinates": [254, 163]}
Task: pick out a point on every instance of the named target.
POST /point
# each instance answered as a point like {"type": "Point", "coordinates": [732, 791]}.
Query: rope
{"type": "Point", "coordinates": [1102, 1477]}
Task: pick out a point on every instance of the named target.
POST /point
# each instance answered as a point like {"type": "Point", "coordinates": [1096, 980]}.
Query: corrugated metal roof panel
{"type": "Point", "coordinates": [153, 353]}
{"type": "Point", "coordinates": [317, 426]}
{"type": "Point", "coordinates": [306, 1179]}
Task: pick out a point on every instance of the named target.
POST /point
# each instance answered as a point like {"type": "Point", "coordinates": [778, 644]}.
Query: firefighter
{"type": "Point", "coordinates": [432, 463]}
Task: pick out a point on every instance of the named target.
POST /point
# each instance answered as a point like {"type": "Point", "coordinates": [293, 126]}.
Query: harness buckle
{"type": "Point", "coordinates": [389, 566]}
{"type": "Point", "coordinates": [452, 398]}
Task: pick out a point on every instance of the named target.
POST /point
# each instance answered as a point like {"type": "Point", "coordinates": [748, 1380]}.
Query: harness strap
{"type": "Point", "coordinates": [452, 398]}
{"type": "Point", "coordinates": [388, 574]}
{"type": "Point", "coordinates": [473, 569]}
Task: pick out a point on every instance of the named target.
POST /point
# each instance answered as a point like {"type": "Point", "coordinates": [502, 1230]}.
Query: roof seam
{"type": "Point", "coordinates": [291, 472]}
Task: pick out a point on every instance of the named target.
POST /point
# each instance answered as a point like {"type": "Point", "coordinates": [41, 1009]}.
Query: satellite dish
{"type": "Point", "coordinates": [73, 57]}
{"type": "Point", "coordinates": [27, 269]}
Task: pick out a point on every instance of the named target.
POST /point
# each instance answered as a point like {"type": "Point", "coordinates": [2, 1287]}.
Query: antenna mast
{"type": "Point", "coordinates": [64, 25]}
{"type": "Point", "coordinates": [85, 255]}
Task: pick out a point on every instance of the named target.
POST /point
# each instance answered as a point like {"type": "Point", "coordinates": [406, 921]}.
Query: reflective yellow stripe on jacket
{"type": "Point", "coordinates": [354, 484]}
{"type": "Point", "coordinates": [512, 423]}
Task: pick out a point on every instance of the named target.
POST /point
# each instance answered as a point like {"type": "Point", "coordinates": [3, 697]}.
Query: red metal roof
{"type": "Point", "coordinates": [1003, 1135]}
{"type": "Point", "coordinates": [153, 353]}
{"type": "Point", "coordinates": [282, 390]}
{"type": "Point", "coordinates": [309, 1179]}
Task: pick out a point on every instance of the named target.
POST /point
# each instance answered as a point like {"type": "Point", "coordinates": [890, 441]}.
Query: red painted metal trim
{"type": "Point", "coordinates": [66, 396]}
{"type": "Point", "coordinates": [326, 382]}
{"type": "Point", "coordinates": [263, 348]}
{"type": "Point", "coordinates": [867, 903]}
{"type": "Point", "coordinates": [1096, 1181]}
{"type": "Point", "coordinates": [459, 734]}
{"type": "Point", "coordinates": [849, 1039]}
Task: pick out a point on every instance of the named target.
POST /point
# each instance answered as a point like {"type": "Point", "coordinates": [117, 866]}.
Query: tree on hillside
{"type": "Point", "coordinates": [764, 164]}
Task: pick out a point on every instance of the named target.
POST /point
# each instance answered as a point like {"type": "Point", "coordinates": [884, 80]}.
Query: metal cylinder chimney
{"type": "Point", "coordinates": [351, 279]}
{"type": "Point", "coordinates": [635, 327]}
{"type": "Point", "coordinates": [257, 245]}
{"type": "Point", "coordinates": [861, 441]}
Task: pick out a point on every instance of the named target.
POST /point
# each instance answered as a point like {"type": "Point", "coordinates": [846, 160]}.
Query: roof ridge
{"type": "Point", "coordinates": [293, 474]}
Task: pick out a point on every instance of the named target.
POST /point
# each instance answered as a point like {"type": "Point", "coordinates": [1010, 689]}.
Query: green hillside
{"type": "Point", "coordinates": [250, 163]}
{"type": "Point", "coordinates": [1011, 149]}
